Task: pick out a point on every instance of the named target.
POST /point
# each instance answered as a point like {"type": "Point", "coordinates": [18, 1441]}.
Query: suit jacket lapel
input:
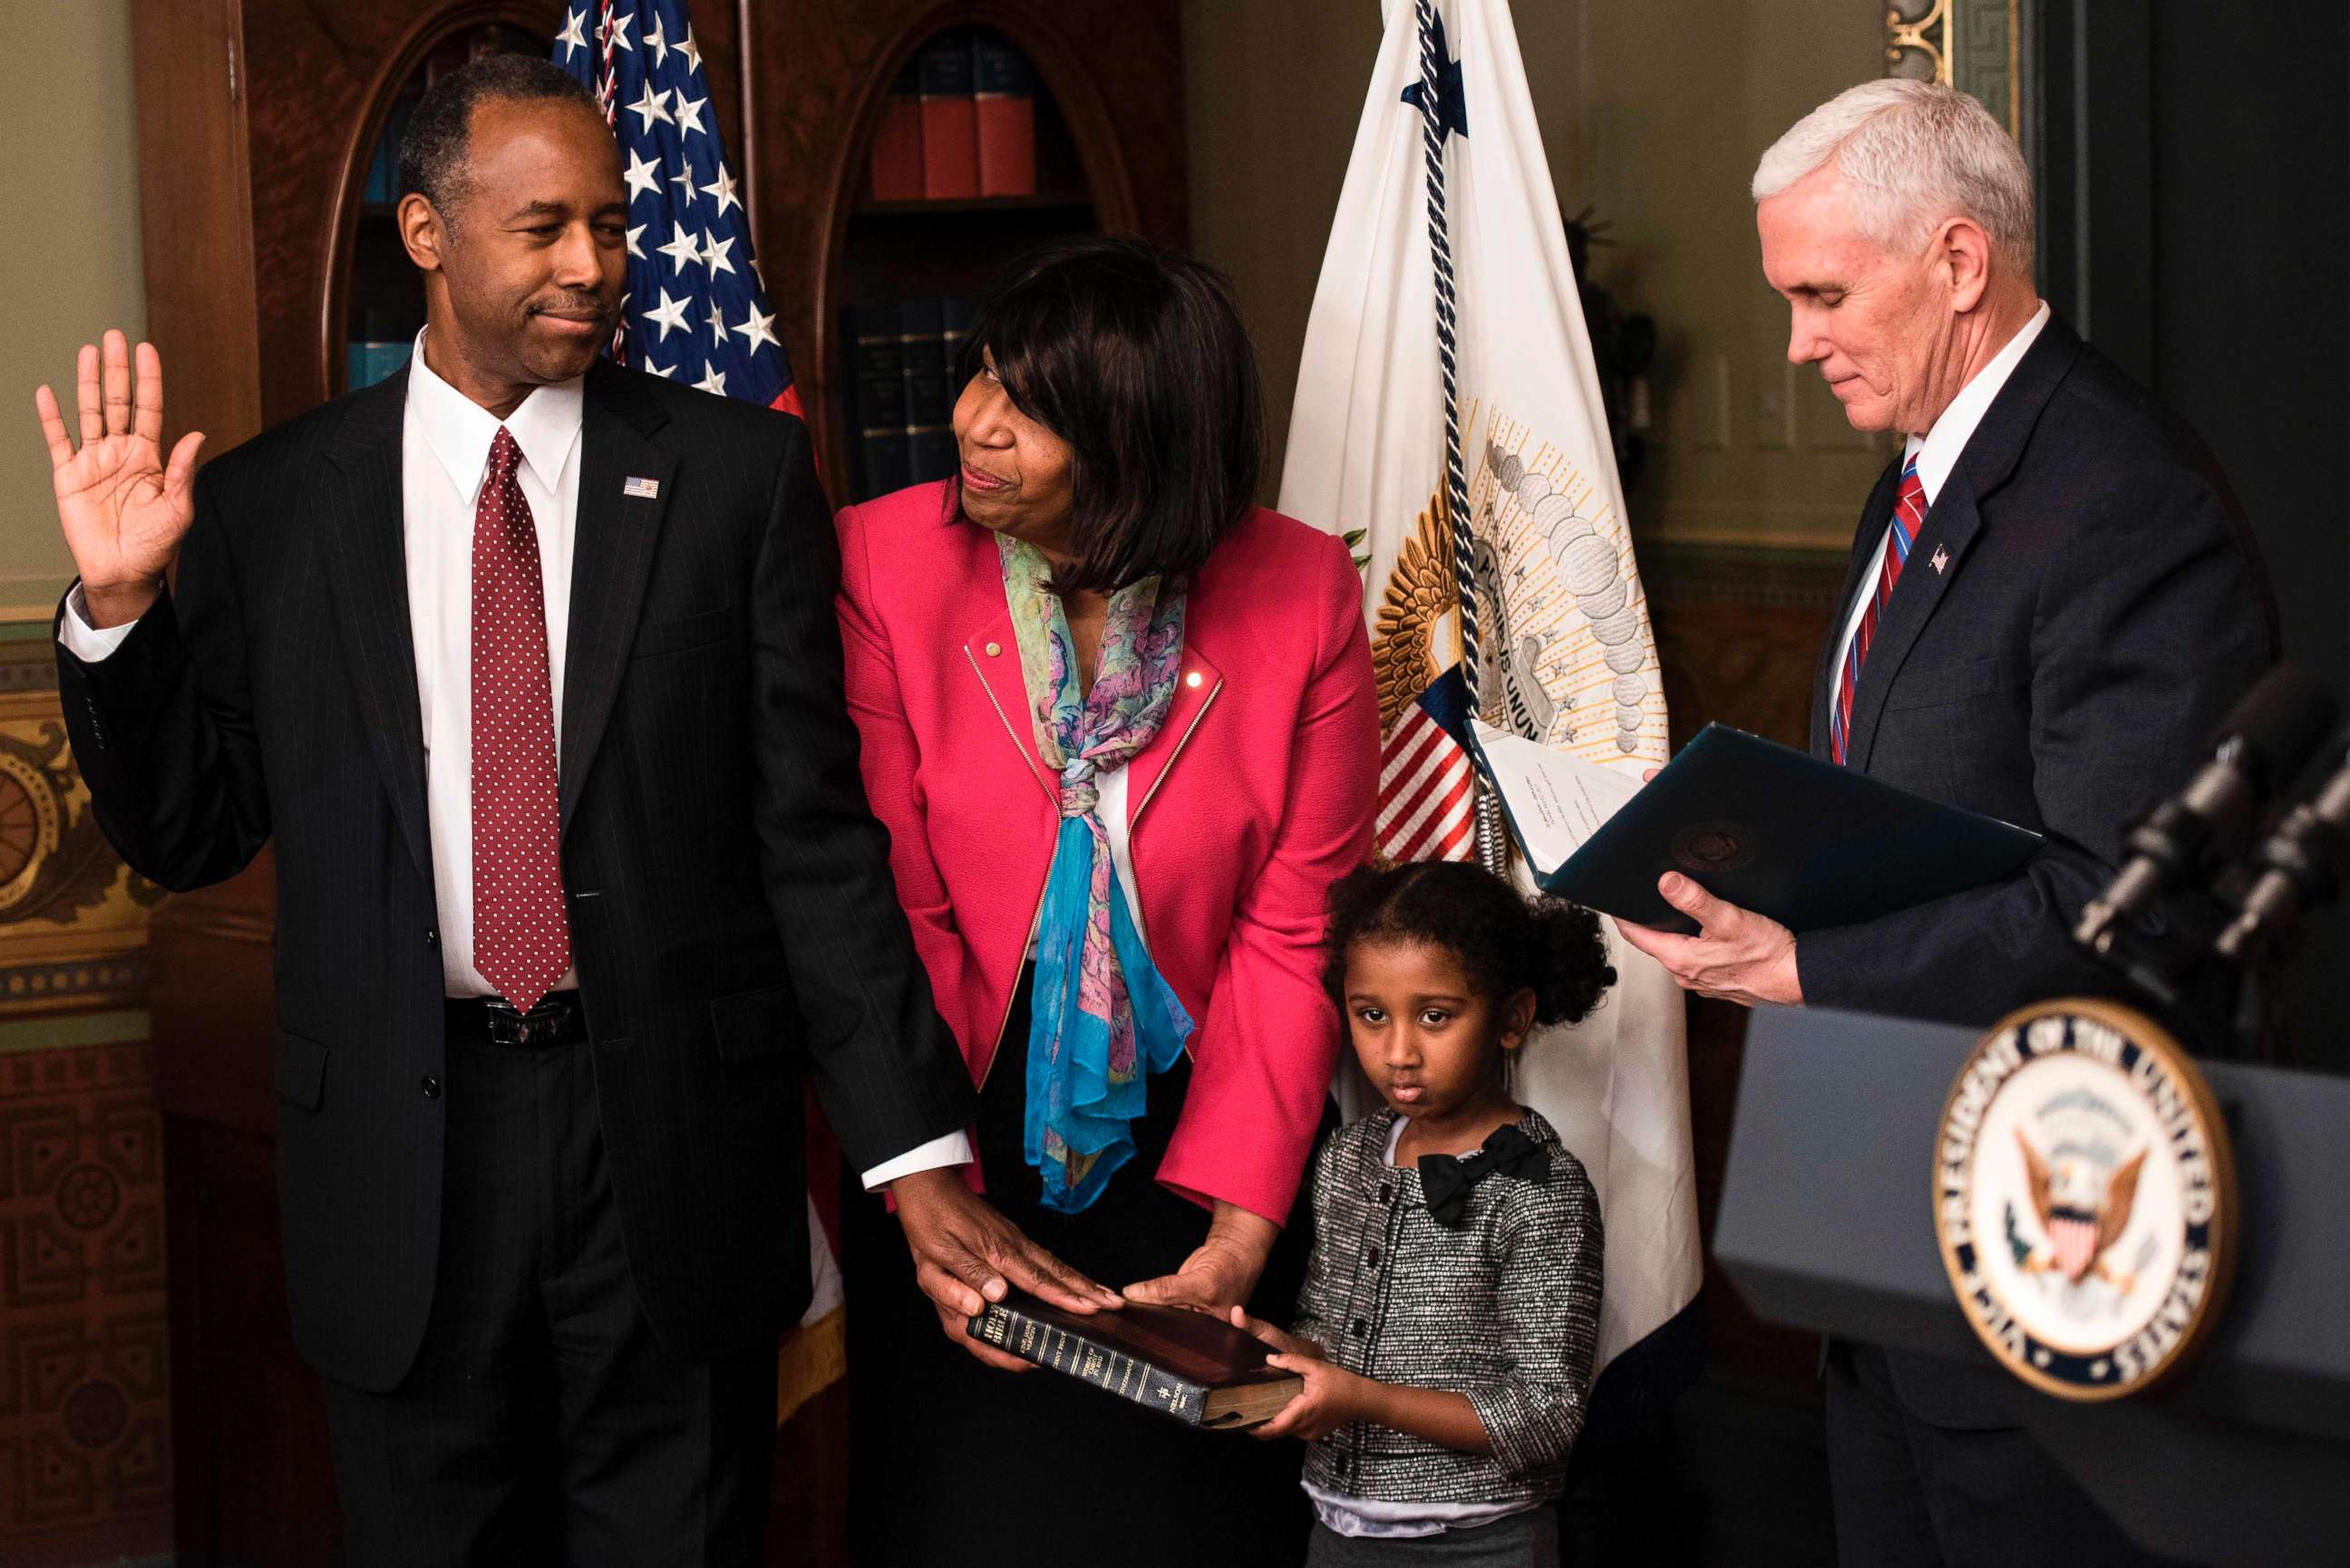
{"type": "Point", "coordinates": [1951, 524]}
{"type": "Point", "coordinates": [1872, 518]}
{"type": "Point", "coordinates": [1194, 690]}
{"type": "Point", "coordinates": [611, 558]}
{"type": "Point", "coordinates": [367, 570]}
{"type": "Point", "coordinates": [993, 654]}
{"type": "Point", "coordinates": [1944, 536]}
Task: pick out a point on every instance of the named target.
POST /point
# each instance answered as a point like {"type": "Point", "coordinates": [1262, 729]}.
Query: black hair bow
{"type": "Point", "coordinates": [1447, 1181]}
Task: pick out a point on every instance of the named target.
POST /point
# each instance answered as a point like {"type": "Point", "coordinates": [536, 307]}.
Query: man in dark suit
{"type": "Point", "coordinates": [2053, 599]}
{"type": "Point", "coordinates": [527, 665]}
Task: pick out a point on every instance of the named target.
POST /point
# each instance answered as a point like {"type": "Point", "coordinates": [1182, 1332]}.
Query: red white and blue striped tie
{"type": "Point", "coordinates": [1908, 511]}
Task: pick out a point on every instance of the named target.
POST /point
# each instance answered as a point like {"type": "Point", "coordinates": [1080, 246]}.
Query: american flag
{"type": "Point", "coordinates": [695, 311]}
{"type": "Point", "coordinates": [1427, 782]}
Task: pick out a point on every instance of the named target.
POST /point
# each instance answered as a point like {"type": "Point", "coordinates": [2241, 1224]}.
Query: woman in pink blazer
{"type": "Point", "coordinates": [1122, 727]}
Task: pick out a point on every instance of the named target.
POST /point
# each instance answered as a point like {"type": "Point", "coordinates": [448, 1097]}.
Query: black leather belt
{"type": "Point", "coordinates": [558, 1020]}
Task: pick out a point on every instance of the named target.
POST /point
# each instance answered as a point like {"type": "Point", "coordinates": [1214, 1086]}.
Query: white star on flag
{"type": "Point", "coordinates": [687, 249]}
{"type": "Point", "coordinates": [651, 107]}
{"type": "Point", "coordinates": [643, 177]}
{"type": "Point", "coordinates": [724, 189]}
{"type": "Point", "coordinates": [681, 249]}
{"type": "Point", "coordinates": [669, 313]}
{"type": "Point", "coordinates": [756, 329]}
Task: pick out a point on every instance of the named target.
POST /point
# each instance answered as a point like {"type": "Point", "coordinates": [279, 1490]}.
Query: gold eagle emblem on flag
{"type": "Point", "coordinates": [1420, 593]}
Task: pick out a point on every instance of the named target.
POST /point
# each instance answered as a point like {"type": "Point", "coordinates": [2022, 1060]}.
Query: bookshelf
{"type": "Point", "coordinates": [969, 165]}
{"type": "Point", "coordinates": [1108, 139]}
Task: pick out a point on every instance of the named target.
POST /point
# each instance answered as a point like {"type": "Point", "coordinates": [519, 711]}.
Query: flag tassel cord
{"type": "Point", "coordinates": [1492, 842]}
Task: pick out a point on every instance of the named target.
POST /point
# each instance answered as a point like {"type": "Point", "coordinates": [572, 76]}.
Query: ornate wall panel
{"type": "Point", "coordinates": [1973, 45]}
{"type": "Point", "coordinates": [85, 1430]}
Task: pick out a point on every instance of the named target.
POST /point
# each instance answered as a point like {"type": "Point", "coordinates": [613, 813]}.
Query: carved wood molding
{"type": "Point", "coordinates": [73, 917]}
{"type": "Point", "coordinates": [1975, 46]}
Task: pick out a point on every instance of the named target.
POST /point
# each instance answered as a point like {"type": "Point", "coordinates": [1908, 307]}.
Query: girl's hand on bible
{"type": "Point", "coordinates": [1286, 1344]}
{"type": "Point", "coordinates": [1332, 1398]}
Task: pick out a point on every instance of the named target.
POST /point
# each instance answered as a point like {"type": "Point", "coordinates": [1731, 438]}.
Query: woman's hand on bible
{"type": "Point", "coordinates": [1222, 1272]}
{"type": "Point", "coordinates": [967, 1254]}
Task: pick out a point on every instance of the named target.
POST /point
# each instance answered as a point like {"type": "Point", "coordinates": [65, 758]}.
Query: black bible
{"type": "Point", "coordinates": [1197, 1369]}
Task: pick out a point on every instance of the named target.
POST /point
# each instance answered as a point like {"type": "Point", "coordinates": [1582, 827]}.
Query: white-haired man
{"type": "Point", "coordinates": [2052, 597]}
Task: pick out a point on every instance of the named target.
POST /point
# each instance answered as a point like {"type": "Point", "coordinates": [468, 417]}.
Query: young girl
{"type": "Point", "coordinates": [1446, 1327]}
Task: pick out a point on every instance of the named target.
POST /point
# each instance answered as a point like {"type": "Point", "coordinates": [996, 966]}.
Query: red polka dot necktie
{"type": "Point", "coordinates": [522, 938]}
{"type": "Point", "coordinates": [1908, 514]}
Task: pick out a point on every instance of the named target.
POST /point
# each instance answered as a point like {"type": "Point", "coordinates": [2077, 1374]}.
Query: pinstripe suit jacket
{"type": "Point", "coordinates": [732, 916]}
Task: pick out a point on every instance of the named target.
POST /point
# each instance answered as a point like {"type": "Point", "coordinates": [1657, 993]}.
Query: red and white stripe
{"type": "Point", "coordinates": [1426, 792]}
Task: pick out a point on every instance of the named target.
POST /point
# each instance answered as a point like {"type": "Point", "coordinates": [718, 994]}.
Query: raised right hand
{"type": "Point", "coordinates": [124, 512]}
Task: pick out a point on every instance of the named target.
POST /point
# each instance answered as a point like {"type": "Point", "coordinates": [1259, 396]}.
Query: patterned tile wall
{"type": "Point", "coordinates": [85, 1420]}
{"type": "Point", "coordinates": [85, 1459]}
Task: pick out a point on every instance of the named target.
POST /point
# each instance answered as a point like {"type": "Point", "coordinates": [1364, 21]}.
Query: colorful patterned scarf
{"type": "Point", "coordinates": [1101, 1015]}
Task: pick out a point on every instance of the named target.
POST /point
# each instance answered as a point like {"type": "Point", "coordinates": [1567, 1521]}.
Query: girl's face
{"type": "Point", "coordinates": [1425, 1034]}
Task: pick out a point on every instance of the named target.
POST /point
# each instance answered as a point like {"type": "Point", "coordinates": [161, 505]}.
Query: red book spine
{"type": "Point", "coordinates": [898, 142]}
{"type": "Point", "coordinates": [950, 119]}
{"type": "Point", "coordinates": [1006, 89]}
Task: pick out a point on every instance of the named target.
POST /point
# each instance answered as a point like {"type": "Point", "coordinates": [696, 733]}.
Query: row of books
{"type": "Point", "coordinates": [960, 121]}
{"type": "Point", "coordinates": [383, 175]}
{"type": "Point", "coordinates": [902, 389]}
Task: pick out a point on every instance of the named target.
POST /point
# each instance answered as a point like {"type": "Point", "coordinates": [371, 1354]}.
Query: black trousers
{"type": "Point", "coordinates": [1909, 1494]}
{"type": "Point", "coordinates": [542, 1423]}
{"type": "Point", "coordinates": [953, 1462]}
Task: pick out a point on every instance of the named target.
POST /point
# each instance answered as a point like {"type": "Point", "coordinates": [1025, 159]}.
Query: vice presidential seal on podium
{"type": "Point", "coordinates": [2085, 1197]}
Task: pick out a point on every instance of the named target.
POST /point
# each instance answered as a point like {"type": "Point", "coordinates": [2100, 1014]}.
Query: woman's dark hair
{"type": "Point", "coordinates": [1506, 942]}
{"type": "Point", "coordinates": [1135, 356]}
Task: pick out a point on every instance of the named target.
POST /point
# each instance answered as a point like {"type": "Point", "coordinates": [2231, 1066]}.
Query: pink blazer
{"type": "Point", "coordinates": [1255, 797]}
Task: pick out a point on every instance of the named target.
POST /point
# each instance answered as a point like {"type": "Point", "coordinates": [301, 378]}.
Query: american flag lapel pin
{"type": "Point", "coordinates": [1941, 559]}
{"type": "Point", "coordinates": [650, 489]}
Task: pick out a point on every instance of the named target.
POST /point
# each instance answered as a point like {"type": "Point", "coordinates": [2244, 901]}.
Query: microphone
{"type": "Point", "coordinates": [2263, 741]}
{"type": "Point", "coordinates": [2301, 868]}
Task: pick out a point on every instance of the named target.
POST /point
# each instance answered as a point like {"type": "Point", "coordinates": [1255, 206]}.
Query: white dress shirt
{"type": "Point", "coordinates": [444, 446]}
{"type": "Point", "coordinates": [1938, 455]}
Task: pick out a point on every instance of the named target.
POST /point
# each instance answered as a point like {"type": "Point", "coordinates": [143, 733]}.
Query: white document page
{"type": "Point", "coordinates": [1554, 801]}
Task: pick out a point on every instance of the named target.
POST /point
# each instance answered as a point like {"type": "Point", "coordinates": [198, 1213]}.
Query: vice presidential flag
{"type": "Point", "coordinates": [1448, 409]}
{"type": "Point", "coordinates": [695, 313]}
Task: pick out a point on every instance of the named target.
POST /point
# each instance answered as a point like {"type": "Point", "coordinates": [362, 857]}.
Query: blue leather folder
{"type": "Point", "coordinates": [1783, 834]}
